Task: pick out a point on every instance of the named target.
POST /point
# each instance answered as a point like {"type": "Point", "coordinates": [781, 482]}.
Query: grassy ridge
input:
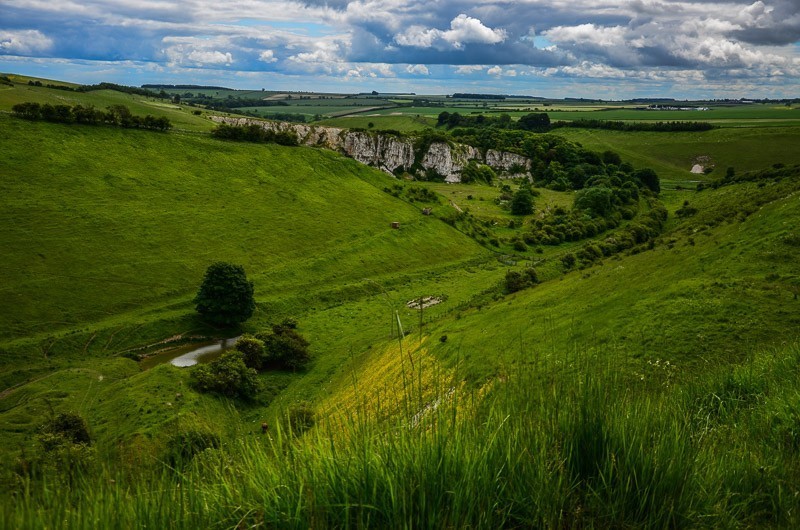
{"type": "Point", "coordinates": [182, 117]}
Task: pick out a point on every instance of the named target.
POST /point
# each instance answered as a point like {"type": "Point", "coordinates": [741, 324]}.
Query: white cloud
{"type": "Point", "coordinates": [495, 70]}
{"type": "Point", "coordinates": [210, 57]}
{"type": "Point", "coordinates": [463, 30]}
{"type": "Point", "coordinates": [419, 69]}
{"type": "Point", "coordinates": [23, 42]}
{"type": "Point", "coordinates": [267, 56]}
{"type": "Point", "coordinates": [587, 34]}
{"type": "Point", "coordinates": [467, 69]}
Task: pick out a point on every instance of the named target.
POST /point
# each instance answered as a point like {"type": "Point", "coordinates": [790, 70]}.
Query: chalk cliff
{"type": "Point", "coordinates": [389, 152]}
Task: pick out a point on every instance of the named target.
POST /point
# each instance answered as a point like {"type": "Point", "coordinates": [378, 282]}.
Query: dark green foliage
{"type": "Point", "coordinates": [568, 261]}
{"type": "Point", "coordinates": [474, 172]}
{"type": "Point", "coordinates": [68, 425]}
{"type": "Point", "coordinates": [418, 193]}
{"type": "Point", "coordinates": [534, 122]}
{"type": "Point", "coordinates": [125, 89]}
{"type": "Point", "coordinates": [63, 451]}
{"type": "Point", "coordinates": [648, 178]}
{"type": "Point", "coordinates": [252, 350]}
{"type": "Point", "coordinates": [182, 447]}
{"type": "Point", "coordinates": [284, 347]}
{"type": "Point", "coordinates": [254, 133]}
{"type": "Point", "coordinates": [118, 115]}
{"type": "Point", "coordinates": [595, 200]}
{"type": "Point", "coordinates": [226, 295]}
{"type": "Point", "coordinates": [661, 126]}
{"type": "Point", "coordinates": [522, 202]}
{"type": "Point", "coordinates": [517, 281]}
{"type": "Point", "coordinates": [686, 210]}
{"type": "Point", "coordinates": [227, 376]}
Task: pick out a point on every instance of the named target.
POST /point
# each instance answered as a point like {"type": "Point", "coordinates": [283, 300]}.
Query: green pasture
{"type": "Point", "coordinates": [406, 124]}
{"type": "Point", "coordinates": [673, 154]}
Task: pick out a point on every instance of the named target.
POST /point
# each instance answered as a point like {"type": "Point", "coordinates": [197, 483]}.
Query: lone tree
{"type": "Point", "coordinates": [522, 202]}
{"type": "Point", "coordinates": [226, 295]}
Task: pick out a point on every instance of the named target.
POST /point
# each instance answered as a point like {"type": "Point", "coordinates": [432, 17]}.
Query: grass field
{"type": "Point", "coordinates": [652, 389]}
{"type": "Point", "coordinates": [672, 155]}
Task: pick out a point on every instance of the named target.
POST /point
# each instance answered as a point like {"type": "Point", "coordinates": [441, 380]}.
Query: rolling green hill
{"type": "Point", "coordinates": [650, 388]}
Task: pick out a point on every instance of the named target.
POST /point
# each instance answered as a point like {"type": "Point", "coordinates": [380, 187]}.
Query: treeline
{"type": "Point", "coordinates": [50, 85]}
{"type": "Point", "coordinates": [254, 133]}
{"type": "Point", "coordinates": [118, 115]}
{"type": "Point", "coordinates": [463, 95]}
{"type": "Point", "coordinates": [229, 104]}
{"type": "Point", "coordinates": [661, 126]}
{"type": "Point", "coordinates": [285, 116]}
{"type": "Point", "coordinates": [123, 88]}
{"type": "Point", "coordinates": [184, 87]}
{"type": "Point", "coordinates": [537, 122]}
{"type": "Point", "coordinates": [104, 86]}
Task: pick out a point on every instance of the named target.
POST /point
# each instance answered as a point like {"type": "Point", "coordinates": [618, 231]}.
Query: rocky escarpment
{"type": "Point", "coordinates": [391, 153]}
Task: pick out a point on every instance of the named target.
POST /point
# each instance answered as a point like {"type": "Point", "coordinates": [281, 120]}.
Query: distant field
{"type": "Point", "coordinates": [395, 123]}
{"type": "Point", "coordinates": [673, 154]}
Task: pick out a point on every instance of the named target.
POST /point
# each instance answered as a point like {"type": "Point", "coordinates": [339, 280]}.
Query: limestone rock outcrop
{"type": "Point", "coordinates": [389, 152]}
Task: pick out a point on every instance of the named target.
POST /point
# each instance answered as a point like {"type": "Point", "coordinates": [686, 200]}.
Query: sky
{"type": "Point", "coordinates": [690, 49]}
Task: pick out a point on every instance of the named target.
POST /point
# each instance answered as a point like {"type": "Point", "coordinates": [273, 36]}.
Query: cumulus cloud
{"type": "Point", "coordinates": [212, 57]}
{"type": "Point", "coordinates": [466, 69]}
{"type": "Point", "coordinates": [645, 40]}
{"type": "Point", "coordinates": [267, 56]}
{"type": "Point", "coordinates": [419, 69]}
{"type": "Point", "coordinates": [24, 42]}
{"type": "Point", "coordinates": [463, 30]}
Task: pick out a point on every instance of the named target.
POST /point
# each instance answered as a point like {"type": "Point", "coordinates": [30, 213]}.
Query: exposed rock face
{"type": "Point", "coordinates": [505, 160]}
{"type": "Point", "coordinates": [388, 152]}
{"type": "Point", "coordinates": [449, 161]}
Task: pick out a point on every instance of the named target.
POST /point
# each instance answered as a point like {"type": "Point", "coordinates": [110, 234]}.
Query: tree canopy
{"type": "Point", "coordinates": [226, 295]}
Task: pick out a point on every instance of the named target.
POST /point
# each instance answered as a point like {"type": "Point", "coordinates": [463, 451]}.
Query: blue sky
{"type": "Point", "coordinates": [553, 48]}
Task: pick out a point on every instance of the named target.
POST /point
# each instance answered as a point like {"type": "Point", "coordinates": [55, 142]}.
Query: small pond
{"type": "Point", "coordinates": [190, 354]}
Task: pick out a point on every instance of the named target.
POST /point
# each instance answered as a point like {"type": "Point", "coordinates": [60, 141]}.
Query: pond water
{"type": "Point", "coordinates": [190, 354]}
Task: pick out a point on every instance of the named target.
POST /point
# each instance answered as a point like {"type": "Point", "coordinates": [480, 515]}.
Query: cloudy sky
{"type": "Point", "coordinates": [554, 48]}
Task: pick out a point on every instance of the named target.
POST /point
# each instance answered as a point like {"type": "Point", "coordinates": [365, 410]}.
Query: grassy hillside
{"type": "Point", "coordinates": [182, 117]}
{"type": "Point", "coordinates": [651, 388]}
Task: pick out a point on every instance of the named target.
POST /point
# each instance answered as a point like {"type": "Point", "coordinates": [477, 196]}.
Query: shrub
{"type": "Point", "coordinates": [522, 202]}
{"type": "Point", "coordinates": [516, 281]}
{"type": "Point", "coordinates": [284, 347]}
{"type": "Point", "coordinates": [227, 376]}
{"type": "Point", "coordinates": [252, 350]}
{"type": "Point", "coordinates": [68, 425]}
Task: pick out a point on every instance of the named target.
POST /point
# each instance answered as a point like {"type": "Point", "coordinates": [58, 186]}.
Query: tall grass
{"type": "Point", "coordinates": [567, 445]}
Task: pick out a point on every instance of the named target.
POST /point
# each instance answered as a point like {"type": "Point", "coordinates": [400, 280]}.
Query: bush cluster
{"type": "Point", "coordinates": [255, 133]}
{"type": "Point", "coordinates": [118, 115]}
{"type": "Point", "coordinates": [644, 229]}
{"type": "Point", "coordinates": [517, 281]}
{"type": "Point", "coordinates": [227, 376]}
